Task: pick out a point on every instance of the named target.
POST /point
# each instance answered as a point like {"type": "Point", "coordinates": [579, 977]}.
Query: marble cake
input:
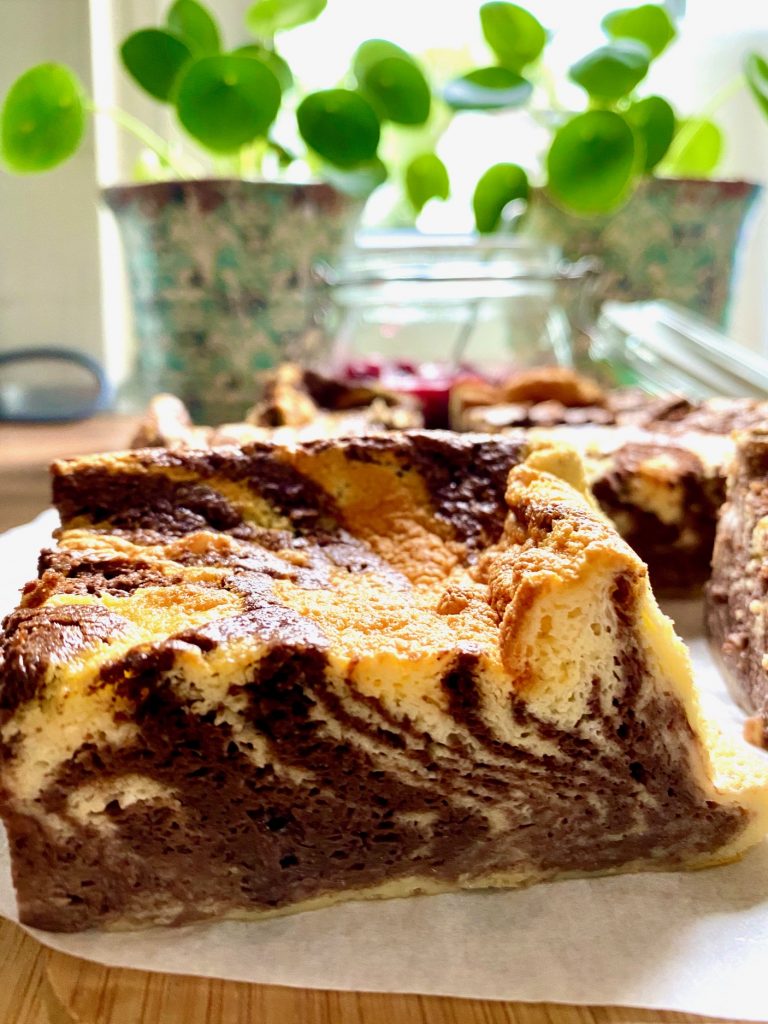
{"type": "Point", "coordinates": [296, 404]}
{"type": "Point", "coordinates": [256, 680]}
{"type": "Point", "coordinates": [657, 466]}
{"type": "Point", "coordinates": [662, 490]}
{"type": "Point", "coordinates": [737, 594]}
{"type": "Point", "coordinates": [539, 396]}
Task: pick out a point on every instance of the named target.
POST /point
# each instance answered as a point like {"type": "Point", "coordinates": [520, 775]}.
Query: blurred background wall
{"type": "Point", "coordinates": [61, 275]}
{"type": "Point", "coordinates": [49, 246]}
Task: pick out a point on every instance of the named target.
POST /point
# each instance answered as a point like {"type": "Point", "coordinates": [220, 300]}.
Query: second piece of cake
{"type": "Point", "coordinates": [657, 466]}
{"type": "Point", "coordinates": [737, 594]}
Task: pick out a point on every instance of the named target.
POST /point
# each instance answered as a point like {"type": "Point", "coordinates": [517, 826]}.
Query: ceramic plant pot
{"type": "Point", "coordinates": [222, 283]}
{"type": "Point", "coordinates": [676, 239]}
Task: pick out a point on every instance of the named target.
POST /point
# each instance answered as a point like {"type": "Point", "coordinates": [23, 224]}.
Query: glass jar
{"type": "Point", "coordinates": [492, 301]}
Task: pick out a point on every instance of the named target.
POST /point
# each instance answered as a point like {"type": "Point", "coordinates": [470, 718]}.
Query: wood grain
{"type": "Point", "coordinates": [42, 987]}
{"type": "Point", "coordinates": [27, 451]}
{"type": "Point", "coordinates": [25, 995]}
{"type": "Point", "coordinates": [100, 995]}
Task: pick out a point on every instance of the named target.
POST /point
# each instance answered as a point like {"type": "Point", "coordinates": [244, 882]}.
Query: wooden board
{"type": "Point", "coordinates": [27, 451]}
{"type": "Point", "coordinates": [100, 995]}
{"type": "Point", "coordinates": [25, 995]}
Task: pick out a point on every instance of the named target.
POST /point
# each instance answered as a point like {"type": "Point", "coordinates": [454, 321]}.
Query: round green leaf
{"type": "Point", "coordinates": [611, 72]}
{"type": "Point", "coordinates": [397, 89]}
{"type": "Point", "coordinates": [514, 35]}
{"type": "Point", "coordinates": [42, 120]}
{"type": "Point", "coordinates": [358, 182]}
{"type": "Point", "coordinates": [499, 186]}
{"type": "Point", "coordinates": [154, 58]}
{"type": "Point", "coordinates": [592, 162]}
{"type": "Point", "coordinates": [648, 24]}
{"type": "Point", "coordinates": [372, 51]}
{"type": "Point", "coordinates": [756, 71]}
{"type": "Point", "coordinates": [426, 178]}
{"type": "Point", "coordinates": [487, 89]}
{"type": "Point", "coordinates": [274, 62]}
{"type": "Point", "coordinates": [195, 26]}
{"type": "Point", "coordinates": [227, 101]}
{"type": "Point", "coordinates": [697, 150]}
{"type": "Point", "coordinates": [340, 125]}
{"type": "Point", "coordinates": [267, 17]}
{"type": "Point", "coordinates": [654, 121]}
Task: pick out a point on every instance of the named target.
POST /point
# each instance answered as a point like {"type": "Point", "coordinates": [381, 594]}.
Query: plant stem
{"type": "Point", "coordinates": [145, 135]}
{"type": "Point", "coordinates": [723, 94]}
{"type": "Point", "coordinates": [547, 81]}
{"type": "Point", "coordinates": [250, 158]}
{"type": "Point", "coordinates": [689, 129]}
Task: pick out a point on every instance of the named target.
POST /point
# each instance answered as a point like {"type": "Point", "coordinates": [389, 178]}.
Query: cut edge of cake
{"type": "Point", "coordinates": [736, 605]}
{"type": "Point", "coordinates": [529, 691]}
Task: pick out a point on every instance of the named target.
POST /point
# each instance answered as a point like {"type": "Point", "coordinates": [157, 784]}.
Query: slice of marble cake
{"type": "Point", "coordinates": [656, 465]}
{"type": "Point", "coordinates": [296, 405]}
{"type": "Point", "coordinates": [256, 680]}
{"type": "Point", "coordinates": [737, 593]}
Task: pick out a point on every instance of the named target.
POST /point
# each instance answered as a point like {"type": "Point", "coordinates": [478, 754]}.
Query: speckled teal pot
{"type": "Point", "coordinates": [676, 239]}
{"type": "Point", "coordinates": [222, 286]}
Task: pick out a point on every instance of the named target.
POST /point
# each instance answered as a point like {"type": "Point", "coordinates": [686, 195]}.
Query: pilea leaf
{"type": "Point", "coordinates": [697, 150]}
{"type": "Point", "coordinates": [592, 162]}
{"type": "Point", "coordinates": [195, 26]}
{"type": "Point", "coordinates": [654, 120]}
{"type": "Point", "coordinates": [227, 101]}
{"type": "Point", "coordinates": [274, 62]}
{"type": "Point", "coordinates": [340, 125]}
{"type": "Point", "coordinates": [267, 17]}
{"type": "Point", "coordinates": [43, 119]}
{"type": "Point", "coordinates": [426, 178]}
{"type": "Point", "coordinates": [488, 89]}
{"type": "Point", "coordinates": [756, 71]}
{"type": "Point", "coordinates": [514, 35]}
{"type": "Point", "coordinates": [154, 59]}
{"type": "Point", "coordinates": [649, 24]}
{"type": "Point", "coordinates": [499, 186]}
{"type": "Point", "coordinates": [613, 71]}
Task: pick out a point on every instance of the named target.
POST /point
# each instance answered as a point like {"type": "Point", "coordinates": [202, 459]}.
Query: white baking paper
{"type": "Point", "coordinates": [695, 942]}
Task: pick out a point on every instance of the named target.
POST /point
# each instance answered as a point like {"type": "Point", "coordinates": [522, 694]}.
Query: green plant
{"type": "Point", "coordinates": [231, 102]}
{"type": "Point", "coordinates": [595, 156]}
{"type": "Point", "coordinates": [228, 101]}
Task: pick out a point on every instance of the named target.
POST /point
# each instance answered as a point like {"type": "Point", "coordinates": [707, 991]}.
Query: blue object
{"type": "Point", "coordinates": [49, 397]}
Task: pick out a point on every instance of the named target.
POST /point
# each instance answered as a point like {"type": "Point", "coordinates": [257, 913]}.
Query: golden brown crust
{"type": "Point", "coordinates": [557, 384]}
{"type": "Point", "coordinates": [553, 384]}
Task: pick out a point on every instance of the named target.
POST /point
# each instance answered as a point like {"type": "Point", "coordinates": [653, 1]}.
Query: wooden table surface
{"type": "Point", "coordinates": [38, 986]}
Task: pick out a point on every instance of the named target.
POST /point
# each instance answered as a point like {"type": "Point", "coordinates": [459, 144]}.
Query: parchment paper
{"type": "Point", "coordinates": [694, 942]}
